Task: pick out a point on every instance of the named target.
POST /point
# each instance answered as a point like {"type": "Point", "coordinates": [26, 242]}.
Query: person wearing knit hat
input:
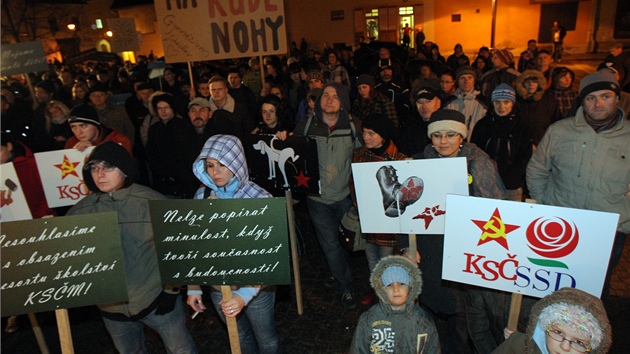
{"type": "Point", "coordinates": [409, 328]}
{"type": "Point", "coordinates": [315, 79]}
{"type": "Point", "coordinates": [502, 72]}
{"type": "Point", "coordinates": [580, 161]}
{"type": "Point", "coordinates": [109, 174]}
{"type": "Point", "coordinates": [535, 104]}
{"type": "Point", "coordinates": [337, 137]}
{"type": "Point", "coordinates": [378, 132]}
{"type": "Point", "coordinates": [370, 101]}
{"type": "Point", "coordinates": [507, 138]}
{"type": "Point", "coordinates": [568, 320]}
{"type": "Point", "coordinates": [447, 132]}
{"type": "Point", "coordinates": [468, 100]}
{"type": "Point", "coordinates": [88, 131]}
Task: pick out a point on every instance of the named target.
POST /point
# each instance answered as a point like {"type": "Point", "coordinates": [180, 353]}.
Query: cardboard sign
{"type": "Point", "coordinates": [526, 248]}
{"type": "Point", "coordinates": [407, 196]}
{"type": "Point", "coordinates": [125, 36]}
{"type": "Point", "coordinates": [22, 58]}
{"type": "Point", "coordinates": [12, 201]}
{"type": "Point", "coordinates": [61, 263]}
{"type": "Point", "coordinates": [222, 241]}
{"type": "Point", "coordinates": [220, 29]}
{"type": "Point", "coordinates": [62, 176]}
{"type": "Point", "coordinates": [278, 165]}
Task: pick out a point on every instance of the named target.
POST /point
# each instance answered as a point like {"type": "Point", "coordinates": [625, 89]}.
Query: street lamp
{"type": "Point", "coordinates": [109, 33]}
{"type": "Point", "coordinates": [72, 26]}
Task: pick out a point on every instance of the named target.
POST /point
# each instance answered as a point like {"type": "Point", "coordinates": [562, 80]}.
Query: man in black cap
{"type": "Point", "coordinates": [414, 137]}
{"type": "Point", "coordinates": [584, 161]}
{"type": "Point", "coordinates": [109, 175]}
{"type": "Point", "coordinates": [111, 115]}
{"type": "Point", "coordinates": [88, 131]}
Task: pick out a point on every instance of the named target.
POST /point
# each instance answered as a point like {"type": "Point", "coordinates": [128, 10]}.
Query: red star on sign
{"type": "Point", "coordinates": [67, 167]}
{"type": "Point", "coordinates": [494, 229]}
{"type": "Point", "coordinates": [302, 180]}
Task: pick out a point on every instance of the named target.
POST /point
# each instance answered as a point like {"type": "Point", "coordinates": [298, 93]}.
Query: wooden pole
{"type": "Point", "coordinates": [39, 335]}
{"type": "Point", "coordinates": [294, 251]}
{"type": "Point", "coordinates": [515, 311]}
{"type": "Point", "coordinates": [262, 73]}
{"type": "Point", "coordinates": [30, 88]}
{"type": "Point", "coordinates": [193, 91]}
{"type": "Point", "coordinates": [65, 334]}
{"type": "Point", "coordinates": [413, 247]}
{"type": "Point", "coordinates": [235, 343]}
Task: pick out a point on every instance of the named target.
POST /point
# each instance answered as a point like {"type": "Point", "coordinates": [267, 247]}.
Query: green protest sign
{"type": "Point", "coordinates": [59, 263]}
{"type": "Point", "coordinates": [22, 58]}
{"type": "Point", "coordinates": [222, 241]}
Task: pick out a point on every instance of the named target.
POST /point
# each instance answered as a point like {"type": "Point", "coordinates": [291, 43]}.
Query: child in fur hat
{"type": "Point", "coordinates": [396, 324]}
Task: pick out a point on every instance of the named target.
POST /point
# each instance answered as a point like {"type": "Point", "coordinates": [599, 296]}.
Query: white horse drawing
{"type": "Point", "coordinates": [275, 156]}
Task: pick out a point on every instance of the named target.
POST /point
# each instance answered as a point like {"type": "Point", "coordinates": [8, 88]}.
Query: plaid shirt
{"type": "Point", "coordinates": [381, 104]}
{"type": "Point", "coordinates": [567, 101]}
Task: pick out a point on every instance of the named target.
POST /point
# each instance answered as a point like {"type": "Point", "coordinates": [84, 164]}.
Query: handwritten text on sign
{"type": "Point", "coordinates": [62, 262]}
{"type": "Point", "coordinates": [23, 58]}
{"type": "Point", "coordinates": [220, 29]}
{"type": "Point", "coordinates": [222, 242]}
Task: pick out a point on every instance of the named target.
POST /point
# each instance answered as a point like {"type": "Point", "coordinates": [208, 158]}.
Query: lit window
{"type": "Point", "coordinates": [99, 23]}
{"type": "Point", "coordinates": [373, 13]}
{"type": "Point", "coordinates": [405, 10]}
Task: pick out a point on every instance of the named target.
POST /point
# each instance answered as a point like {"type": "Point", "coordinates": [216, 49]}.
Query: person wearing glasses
{"type": "Point", "coordinates": [566, 321]}
{"type": "Point", "coordinates": [88, 130]}
{"type": "Point", "coordinates": [109, 174]}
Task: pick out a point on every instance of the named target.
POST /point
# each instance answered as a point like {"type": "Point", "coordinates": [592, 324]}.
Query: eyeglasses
{"type": "Point", "coordinates": [100, 166]}
{"type": "Point", "coordinates": [448, 136]}
{"type": "Point", "coordinates": [576, 344]}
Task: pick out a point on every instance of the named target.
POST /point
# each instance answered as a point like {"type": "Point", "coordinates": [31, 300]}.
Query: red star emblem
{"type": "Point", "coordinates": [302, 180]}
{"type": "Point", "coordinates": [67, 167]}
{"type": "Point", "coordinates": [494, 229]}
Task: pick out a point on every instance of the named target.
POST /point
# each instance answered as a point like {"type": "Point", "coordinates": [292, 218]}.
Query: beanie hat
{"type": "Point", "coordinates": [84, 113]}
{"type": "Point", "coordinates": [314, 74]}
{"type": "Point", "coordinates": [426, 93]}
{"type": "Point", "coordinates": [505, 56]}
{"type": "Point", "coordinates": [145, 86]}
{"type": "Point", "coordinates": [162, 97]}
{"type": "Point", "coordinates": [448, 119]}
{"type": "Point", "coordinates": [365, 79]}
{"type": "Point", "coordinates": [380, 124]}
{"type": "Point", "coordinates": [505, 92]}
{"type": "Point", "coordinates": [97, 88]}
{"type": "Point", "coordinates": [395, 274]}
{"type": "Point", "coordinates": [114, 155]}
{"type": "Point", "coordinates": [46, 85]}
{"type": "Point", "coordinates": [599, 80]}
{"type": "Point", "coordinates": [252, 62]}
{"type": "Point", "coordinates": [463, 70]}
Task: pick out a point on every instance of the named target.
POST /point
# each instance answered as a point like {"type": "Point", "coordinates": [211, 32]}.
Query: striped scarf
{"type": "Point", "coordinates": [604, 124]}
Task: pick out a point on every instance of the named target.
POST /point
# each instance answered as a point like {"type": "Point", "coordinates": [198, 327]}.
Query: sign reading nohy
{"type": "Point", "coordinates": [60, 263]}
{"type": "Point", "coordinates": [23, 58]}
{"type": "Point", "coordinates": [220, 29]}
{"type": "Point", "coordinates": [222, 241]}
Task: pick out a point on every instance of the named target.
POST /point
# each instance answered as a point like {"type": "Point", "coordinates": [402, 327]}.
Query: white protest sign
{"type": "Point", "coordinates": [221, 29]}
{"type": "Point", "coordinates": [407, 196]}
{"type": "Point", "coordinates": [62, 176]}
{"type": "Point", "coordinates": [12, 199]}
{"type": "Point", "coordinates": [526, 248]}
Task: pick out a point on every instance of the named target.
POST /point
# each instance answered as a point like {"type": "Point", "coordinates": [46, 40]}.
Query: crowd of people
{"type": "Point", "coordinates": [521, 125]}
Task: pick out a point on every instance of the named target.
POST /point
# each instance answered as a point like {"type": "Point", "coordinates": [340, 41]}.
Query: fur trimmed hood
{"type": "Point", "coordinates": [415, 286]}
{"type": "Point", "coordinates": [522, 91]}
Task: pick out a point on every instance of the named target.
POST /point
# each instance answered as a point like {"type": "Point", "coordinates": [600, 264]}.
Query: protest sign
{"type": "Point", "coordinates": [22, 58]}
{"type": "Point", "coordinates": [290, 164]}
{"type": "Point", "coordinates": [62, 176]}
{"type": "Point", "coordinates": [60, 263]}
{"type": "Point", "coordinates": [525, 248]}
{"type": "Point", "coordinates": [12, 200]}
{"type": "Point", "coordinates": [221, 29]}
{"type": "Point", "coordinates": [407, 196]}
{"type": "Point", "coordinates": [125, 36]}
{"type": "Point", "coordinates": [222, 241]}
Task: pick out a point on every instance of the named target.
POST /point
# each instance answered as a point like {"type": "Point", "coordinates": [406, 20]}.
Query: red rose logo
{"type": "Point", "coordinates": [552, 238]}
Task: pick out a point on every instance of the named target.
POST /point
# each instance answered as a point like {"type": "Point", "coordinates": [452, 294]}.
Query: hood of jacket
{"type": "Point", "coordinates": [343, 94]}
{"type": "Point", "coordinates": [415, 286]}
{"type": "Point", "coordinates": [522, 91]}
{"type": "Point", "coordinates": [228, 150]}
{"type": "Point", "coordinates": [576, 298]}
